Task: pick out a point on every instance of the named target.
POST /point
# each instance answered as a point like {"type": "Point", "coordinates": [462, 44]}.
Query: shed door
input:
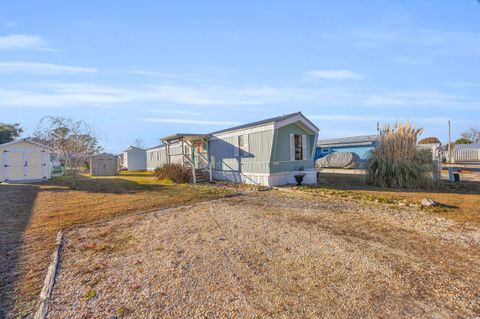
{"type": "Point", "coordinates": [22, 165]}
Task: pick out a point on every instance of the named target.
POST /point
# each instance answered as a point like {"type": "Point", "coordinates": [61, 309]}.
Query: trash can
{"type": "Point", "coordinates": [456, 177]}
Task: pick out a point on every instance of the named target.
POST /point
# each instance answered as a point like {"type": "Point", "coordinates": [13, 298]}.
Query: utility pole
{"type": "Point", "coordinates": [449, 143]}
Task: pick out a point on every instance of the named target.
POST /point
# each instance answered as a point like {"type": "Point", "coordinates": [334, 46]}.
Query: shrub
{"type": "Point", "coordinates": [175, 172]}
{"type": "Point", "coordinates": [396, 162]}
{"type": "Point", "coordinates": [429, 140]}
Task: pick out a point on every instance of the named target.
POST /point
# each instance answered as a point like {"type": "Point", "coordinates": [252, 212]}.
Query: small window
{"type": "Point", "coordinates": [325, 149]}
{"type": "Point", "coordinates": [158, 155]}
{"type": "Point", "coordinates": [298, 147]}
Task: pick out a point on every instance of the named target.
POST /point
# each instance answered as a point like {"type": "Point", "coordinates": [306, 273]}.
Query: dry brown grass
{"type": "Point", "coordinates": [31, 215]}
{"type": "Point", "coordinates": [460, 201]}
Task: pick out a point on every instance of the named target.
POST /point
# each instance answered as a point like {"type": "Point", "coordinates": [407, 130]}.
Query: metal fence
{"type": "Point", "coordinates": [467, 155]}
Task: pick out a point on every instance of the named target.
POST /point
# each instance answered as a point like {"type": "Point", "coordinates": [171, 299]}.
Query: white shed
{"type": "Point", "coordinates": [133, 159]}
{"type": "Point", "coordinates": [24, 160]}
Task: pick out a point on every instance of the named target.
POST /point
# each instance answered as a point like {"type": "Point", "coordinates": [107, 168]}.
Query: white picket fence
{"type": "Point", "coordinates": [467, 155]}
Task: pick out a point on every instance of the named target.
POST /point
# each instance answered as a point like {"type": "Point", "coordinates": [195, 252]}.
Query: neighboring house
{"type": "Point", "coordinates": [133, 159]}
{"type": "Point", "coordinates": [103, 164]}
{"type": "Point", "coordinates": [466, 153]}
{"type": "Point", "coordinates": [24, 160]}
{"type": "Point", "coordinates": [435, 148]}
{"type": "Point", "coordinates": [269, 152]}
{"type": "Point", "coordinates": [361, 145]}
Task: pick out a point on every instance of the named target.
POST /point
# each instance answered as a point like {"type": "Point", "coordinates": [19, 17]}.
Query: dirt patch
{"type": "Point", "coordinates": [271, 254]}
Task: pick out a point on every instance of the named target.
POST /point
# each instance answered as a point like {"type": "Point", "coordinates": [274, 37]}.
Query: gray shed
{"type": "Point", "coordinates": [103, 165]}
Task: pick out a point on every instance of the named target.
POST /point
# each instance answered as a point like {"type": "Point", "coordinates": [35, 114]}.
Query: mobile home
{"type": "Point", "coordinates": [268, 152]}
{"type": "Point", "coordinates": [132, 159]}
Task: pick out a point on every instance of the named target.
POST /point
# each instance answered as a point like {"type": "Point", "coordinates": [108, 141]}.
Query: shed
{"type": "Point", "coordinates": [24, 160]}
{"type": "Point", "coordinates": [103, 165]}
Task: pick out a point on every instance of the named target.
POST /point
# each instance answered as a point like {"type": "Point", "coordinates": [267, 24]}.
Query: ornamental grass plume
{"type": "Point", "coordinates": [396, 162]}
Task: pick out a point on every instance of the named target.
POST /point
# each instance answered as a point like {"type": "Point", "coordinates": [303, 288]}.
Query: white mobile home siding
{"type": "Point", "coordinates": [135, 159]}
{"type": "Point", "coordinates": [156, 157]}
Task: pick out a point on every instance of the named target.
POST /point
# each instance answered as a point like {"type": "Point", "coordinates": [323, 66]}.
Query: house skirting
{"type": "Point", "coordinates": [271, 179]}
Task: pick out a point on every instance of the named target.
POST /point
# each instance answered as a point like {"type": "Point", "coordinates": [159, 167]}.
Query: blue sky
{"type": "Point", "coordinates": [146, 69]}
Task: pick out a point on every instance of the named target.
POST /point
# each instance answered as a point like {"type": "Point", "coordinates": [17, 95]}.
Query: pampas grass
{"type": "Point", "coordinates": [396, 162]}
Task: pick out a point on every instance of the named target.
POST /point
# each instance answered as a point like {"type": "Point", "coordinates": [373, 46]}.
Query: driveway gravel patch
{"type": "Point", "coordinates": [271, 255]}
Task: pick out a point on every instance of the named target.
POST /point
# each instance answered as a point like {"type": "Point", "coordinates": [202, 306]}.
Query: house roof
{"type": "Point", "coordinates": [154, 147]}
{"type": "Point", "coordinates": [467, 146]}
{"type": "Point", "coordinates": [133, 148]}
{"type": "Point", "coordinates": [346, 141]}
{"type": "Point", "coordinates": [267, 121]}
{"type": "Point", "coordinates": [186, 136]}
{"type": "Point", "coordinates": [276, 119]}
{"type": "Point", "coordinates": [28, 140]}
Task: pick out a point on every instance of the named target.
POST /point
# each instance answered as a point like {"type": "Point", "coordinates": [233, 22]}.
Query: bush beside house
{"type": "Point", "coordinates": [177, 173]}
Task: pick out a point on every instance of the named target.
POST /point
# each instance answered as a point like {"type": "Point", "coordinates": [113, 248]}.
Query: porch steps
{"type": "Point", "coordinates": [201, 176]}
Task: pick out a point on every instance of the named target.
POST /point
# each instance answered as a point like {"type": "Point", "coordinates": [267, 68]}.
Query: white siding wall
{"type": "Point", "coordinates": [156, 157]}
{"type": "Point", "coordinates": [135, 159]}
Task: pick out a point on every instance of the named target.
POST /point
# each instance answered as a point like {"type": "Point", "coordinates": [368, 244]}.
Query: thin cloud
{"type": "Point", "coordinates": [428, 99]}
{"type": "Point", "coordinates": [344, 118]}
{"type": "Point", "coordinates": [434, 42]}
{"type": "Point", "coordinates": [177, 112]}
{"type": "Point", "coordinates": [335, 74]}
{"type": "Point", "coordinates": [379, 118]}
{"type": "Point", "coordinates": [152, 73]}
{"type": "Point", "coordinates": [412, 61]}
{"type": "Point", "coordinates": [10, 67]}
{"type": "Point", "coordinates": [22, 41]}
{"type": "Point", "coordinates": [463, 84]}
{"type": "Point", "coordinates": [96, 95]}
{"type": "Point", "coordinates": [186, 121]}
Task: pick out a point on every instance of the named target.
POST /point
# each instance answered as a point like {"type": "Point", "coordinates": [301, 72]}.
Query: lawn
{"type": "Point", "coordinates": [460, 201]}
{"type": "Point", "coordinates": [32, 214]}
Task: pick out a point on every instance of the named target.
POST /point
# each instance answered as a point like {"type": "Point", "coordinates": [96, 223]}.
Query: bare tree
{"type": "Point", "coordinates": [139, 143]}
{"type": "Point", "coordinates": [472, 134]}
{"type": "Point", "coordinates": [73, 141]}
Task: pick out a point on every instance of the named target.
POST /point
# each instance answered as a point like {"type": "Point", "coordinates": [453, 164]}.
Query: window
{"type": "Point", "coordinates": [298, 147]}
{"type": "Point", "coordinates": [158, 155]}
{"type": "Point", "coordinates": [325, 149]}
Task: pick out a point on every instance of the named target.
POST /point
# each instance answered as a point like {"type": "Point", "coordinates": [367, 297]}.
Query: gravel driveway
{"type": "Point", "coordinates": [271, 254]}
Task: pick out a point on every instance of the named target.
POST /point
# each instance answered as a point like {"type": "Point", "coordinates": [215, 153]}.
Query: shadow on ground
{"type": "Point", "coordinates": [16, 209]}
{"type": "Point", "coordinates": [114, 185]}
